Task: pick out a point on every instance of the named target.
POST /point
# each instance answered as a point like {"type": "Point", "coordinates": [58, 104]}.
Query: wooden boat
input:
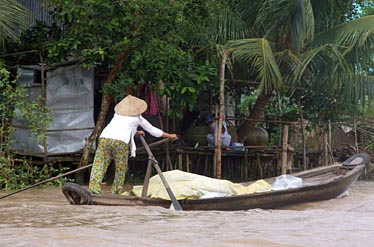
{"type": "Point", "coordinates": [318, 184]}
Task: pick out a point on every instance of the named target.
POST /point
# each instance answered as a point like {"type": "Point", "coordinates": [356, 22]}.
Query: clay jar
{"type": "Point", "coordinates": [257, 137]}
{"type": "Point", "coordinates": [196, 134]}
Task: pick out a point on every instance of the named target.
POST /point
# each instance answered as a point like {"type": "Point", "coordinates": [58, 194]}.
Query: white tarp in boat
{"type": "Point", "coordinates": [190, 185]}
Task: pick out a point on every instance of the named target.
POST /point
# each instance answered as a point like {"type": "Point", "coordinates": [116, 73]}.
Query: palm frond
{"type": "Point", "coordinates": [248, 10]}
{"type": "Point", "coordinates": [348, 34]}
{"type": "Point", "coordinates": [288, 60]}
{"type": "Point", "coordinates": [258, 55]}
{"type": "Point", "coordinates": [292, 19]}
{"type": "Point", "coordinates": [330, 13]}
{"type": "Point", "coordinates": [228, 26]}
{"type": "Point", "coordinates": [271, 16]}
{"type": "Point", "coordinates": [324, 65]}
{"type": "Point", "coordinates": [297, 24]}
{"type": "Point", "coordinates": [12, 20]}
{"type": "Point", "coordinates": [309, 21]}
{"type": "Point", "coordinates": [361, 57]}
{"type": "Point", "coordinates": [363, 86]}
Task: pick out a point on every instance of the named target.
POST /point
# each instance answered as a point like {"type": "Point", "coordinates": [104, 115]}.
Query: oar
{"type": "Point", "coordinates": [45, 181]}
{"type": "Point", "coordinates": [152, 160]}
{"type": "Point", "coordinates": [153, 144]}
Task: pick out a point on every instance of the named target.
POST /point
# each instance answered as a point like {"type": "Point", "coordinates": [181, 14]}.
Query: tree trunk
{"type": "Point", "coordinates": [255, 115]}
{"type": "Point", "coordinates": [106, 100]}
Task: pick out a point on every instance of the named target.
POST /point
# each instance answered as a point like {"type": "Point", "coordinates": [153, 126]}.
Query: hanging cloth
{"type": "Point", "coordinates": [150, 98]}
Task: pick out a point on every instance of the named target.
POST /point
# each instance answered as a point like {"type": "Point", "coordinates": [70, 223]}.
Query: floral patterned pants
{"type": "Point", "coordinates": [108, 150]}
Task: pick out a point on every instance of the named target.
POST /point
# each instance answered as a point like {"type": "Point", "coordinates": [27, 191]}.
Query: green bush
{"type": "Point", "coordinates": [17, 175]}
{"type": "Point", "coordinates": [14, 99]}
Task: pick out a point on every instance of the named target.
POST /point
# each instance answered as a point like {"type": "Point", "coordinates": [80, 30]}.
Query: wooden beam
{"type": "Point", "coordinates": [284, 149]}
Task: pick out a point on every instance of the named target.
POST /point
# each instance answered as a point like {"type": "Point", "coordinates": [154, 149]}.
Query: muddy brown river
{"type": "Point", "coordinates": [43, 217]}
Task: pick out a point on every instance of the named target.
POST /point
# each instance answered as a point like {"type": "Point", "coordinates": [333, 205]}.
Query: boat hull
{"type": "Point", "coordinates": [318, 184]}
{"type": "Point", "coordinates": [277, 199]}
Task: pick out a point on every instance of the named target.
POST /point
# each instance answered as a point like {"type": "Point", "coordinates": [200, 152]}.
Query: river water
{"type": "Point", "coordinates": [43, 217]}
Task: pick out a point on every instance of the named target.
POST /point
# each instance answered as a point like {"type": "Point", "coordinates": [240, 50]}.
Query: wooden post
{"type": "Point", "coordinates": [146, 179]}
{"type": "Point", "coordinates": [246, 163]}
{"type": "Point", "coordinates": [302, 132]}
{"type": "Point", "coordinates": [330, 135]}
{"type": "Point", "coordinates": [167, 146]}
{"type": "Point", "coordinates": [325, 151]}
{"type": "Point", "coordinates": [180, 160]}
{"type": "Point", "coordinates": [188, 162]}
{"type": "Point", "coordinates": [44, 101]}
{"type": "Point", "coordinates": [291, 147]}
{"type": "Point", "coordinates": [279, 159]}
{"type": "Point", "coordinates": [355, 133]}
{"type": "Point", "coordinates": [284, 149]}
{"type": "Point", "coordinates": [215, 155]}
{"type": "Point", "coordinates": [329, 145]}
{"type": "Point", "coordinates": [218, 154]}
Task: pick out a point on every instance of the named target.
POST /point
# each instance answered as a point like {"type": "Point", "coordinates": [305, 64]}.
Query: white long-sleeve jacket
{"type": "Point", "coordinates": [124, 128]}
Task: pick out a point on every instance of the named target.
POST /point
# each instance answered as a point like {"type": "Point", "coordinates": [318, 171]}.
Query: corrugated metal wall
{"type": "Point", "coordinates": [37, 10]}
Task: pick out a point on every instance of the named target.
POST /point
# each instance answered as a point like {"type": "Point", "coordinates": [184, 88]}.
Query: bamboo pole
{"type": "Point", "coordinates": [291, 146]}
{"type": "Point", "coordinates": [325, 149]}
{"type": "Point", "coordinates": [284, 149]}
{"type": "Point", "coordinates": [168, 165]}
{"type": "Point", "coordinates": [279, 110]}
{"type": "Point", "coordinates": [215, 143]}
{"type": "Point", "coordinates": [302, 132]}
{"type": "Point", "coordinates": [221, 115]}
{"type": "Point", "coordinates": [330, 134]}
{"type": "Point", "coordinates": [355, 133]}
{"type": "Point", "coordinates": [329, 144]}
{"type": "Point", "coordinates": [44, 100]}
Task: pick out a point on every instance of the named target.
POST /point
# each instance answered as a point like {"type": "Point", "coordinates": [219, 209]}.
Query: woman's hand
{"type": "Point", "coordinates": [170, 136]}
{"type": "Point", "coordinates": [173, 136]}
{"type": "Point", "coordinates": [140, 132]}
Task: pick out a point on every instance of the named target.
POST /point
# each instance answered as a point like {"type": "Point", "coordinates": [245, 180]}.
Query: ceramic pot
{"type": "Point", "coordinates": [257, 137]}
{"type": "Point", "coordinates": [196, 134]}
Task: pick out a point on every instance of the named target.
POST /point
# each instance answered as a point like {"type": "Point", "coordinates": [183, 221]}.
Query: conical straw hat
{"type": "Point", "coordinates": [130, 106]}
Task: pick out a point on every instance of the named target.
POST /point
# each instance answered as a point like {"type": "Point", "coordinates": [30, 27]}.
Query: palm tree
{"type": "Point", "coordinates": [301, 43]}
{"type": "Point", "coordinates": [13, 17]}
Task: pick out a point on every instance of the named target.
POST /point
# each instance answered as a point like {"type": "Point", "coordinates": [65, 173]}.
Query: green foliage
{"type": "Point", "coordinates": [284, 43]}
{"type": "Point", "coordinates": [286, 108]}
{"type": "Point", "coordinates": [93, 30]}
{"type": "Point", "coordinates": [185, 91]}
{"type": "Point", "coordinates": [15, 102]}
{"type": "Point", "coordinates": [19, 175]}
{"type": "Point", "coordinates": [368, 110]}
{"type": "Point", "coordinates": [247, 103]}
{"type": "Point", "coordinates": [327, 53]}
{"type": "Point", "coordinates": [156, 35]}
{"type": "Point", "coordinates": [320, 107]}
{"type": "Point", "coordinates": [36, 40]}
{"type": "Point", "coordinates": [370, 145]}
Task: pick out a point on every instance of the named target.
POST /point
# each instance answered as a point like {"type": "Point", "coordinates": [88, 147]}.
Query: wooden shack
{"type": "Point", "coordinates": [69, 96]}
